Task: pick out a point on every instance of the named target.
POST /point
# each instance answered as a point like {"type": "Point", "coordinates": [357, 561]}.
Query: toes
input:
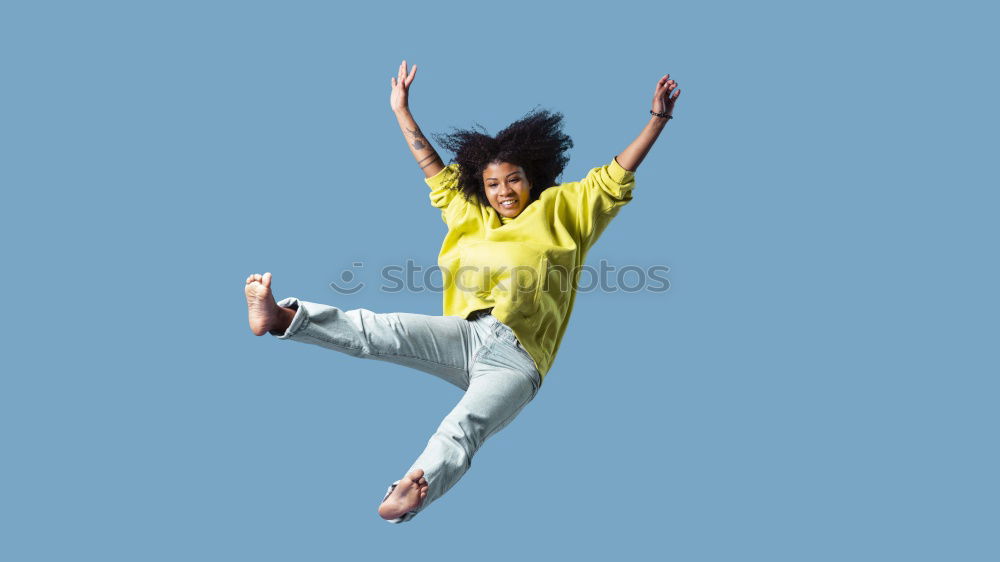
{"type": "Point", "coordinates": [267, 279]}
{"type": "Point", "coordinates": [416, 475]}
{"type": "Point", "coordinates": [422, 481]}
{"type": "Point", "coordinates": [249, 279]}
{"type": "Point", "coordinates": [258, 277]}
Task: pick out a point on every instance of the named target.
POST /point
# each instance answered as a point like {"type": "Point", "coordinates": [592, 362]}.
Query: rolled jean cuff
{"type": "Point", "coordinates": [298, 322]}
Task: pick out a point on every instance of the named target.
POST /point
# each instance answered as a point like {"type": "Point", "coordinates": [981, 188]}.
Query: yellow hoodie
{"type": "Point", "coordinates": [525, 268]}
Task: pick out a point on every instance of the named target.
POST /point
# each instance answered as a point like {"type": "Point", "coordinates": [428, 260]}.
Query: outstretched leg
{"type": "Point", "coordinates": [503, 381]}
{"type": "Point", "coordinates": [441, 345]}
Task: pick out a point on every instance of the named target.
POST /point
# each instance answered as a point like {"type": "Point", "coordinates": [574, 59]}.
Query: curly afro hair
{"type": "Point", "coordinates": [535, 142]}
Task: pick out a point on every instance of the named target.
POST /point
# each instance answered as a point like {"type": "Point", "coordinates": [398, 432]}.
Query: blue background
{"type": "Point", "coordinates": [819, 383]}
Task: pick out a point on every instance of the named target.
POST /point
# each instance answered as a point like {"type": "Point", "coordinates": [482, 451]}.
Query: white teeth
{"type": "Point", "coordinates": [508, 203]}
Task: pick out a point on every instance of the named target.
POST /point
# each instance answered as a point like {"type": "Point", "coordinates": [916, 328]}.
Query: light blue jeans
{"type": "Point", "coordinates": [480, 355]}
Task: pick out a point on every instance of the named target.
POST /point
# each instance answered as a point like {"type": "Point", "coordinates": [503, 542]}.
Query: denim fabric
{"type": "Point", "coordinates": [480, 355]}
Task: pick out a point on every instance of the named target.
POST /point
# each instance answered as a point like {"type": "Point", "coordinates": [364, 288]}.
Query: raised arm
{"type": "Point", "coordinates": [427, 157]}
{"type": "Point", "coordinates": [664, 97]}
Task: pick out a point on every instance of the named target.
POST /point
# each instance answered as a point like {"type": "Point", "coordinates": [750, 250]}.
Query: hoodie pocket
{"type": "Point", "coordinates": [512, 272]}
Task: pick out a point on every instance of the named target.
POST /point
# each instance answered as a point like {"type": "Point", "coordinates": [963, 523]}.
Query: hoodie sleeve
{"type": "Point", "coordinates": [444, 186]}
{"type": "Point", "coordinates": [593, 201]}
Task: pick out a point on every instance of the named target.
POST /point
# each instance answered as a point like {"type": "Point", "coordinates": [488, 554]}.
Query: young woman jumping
{"type": "Point", "coordinates": [515, 242]}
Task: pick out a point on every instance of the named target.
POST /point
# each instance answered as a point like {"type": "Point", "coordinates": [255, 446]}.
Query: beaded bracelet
{"type": "Point", "coordinates": [669, 117]}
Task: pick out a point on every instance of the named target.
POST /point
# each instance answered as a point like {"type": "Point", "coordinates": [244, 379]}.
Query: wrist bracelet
{"type": "Point", "coordinates": [669, 117]}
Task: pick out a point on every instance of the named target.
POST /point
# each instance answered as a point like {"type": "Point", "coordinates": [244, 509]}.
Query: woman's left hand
{"type": "Point", "coordinates": [665, 96]}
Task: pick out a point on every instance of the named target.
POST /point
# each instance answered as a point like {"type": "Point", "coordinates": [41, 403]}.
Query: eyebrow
{"type": "Point", "coordinates": [508, 175]}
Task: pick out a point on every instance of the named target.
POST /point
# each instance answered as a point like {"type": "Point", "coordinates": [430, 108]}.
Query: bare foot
{"type": "Point", "coordinates": [407, 496]}
{"type": "Point", "coordinates": [264, 311]}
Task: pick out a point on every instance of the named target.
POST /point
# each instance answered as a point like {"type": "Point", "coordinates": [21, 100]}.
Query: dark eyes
{"type": "Point", "coordinates": [513, 180]}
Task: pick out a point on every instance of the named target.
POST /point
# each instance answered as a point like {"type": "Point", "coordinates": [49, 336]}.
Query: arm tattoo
{"type": "Point", "coordinates": [433, 158]}
{"type": "Point", "coordinates": [418, 138]}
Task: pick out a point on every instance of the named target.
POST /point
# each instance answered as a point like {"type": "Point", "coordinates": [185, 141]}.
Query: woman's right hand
{"type": "Point", "coordinates": [399, 100]}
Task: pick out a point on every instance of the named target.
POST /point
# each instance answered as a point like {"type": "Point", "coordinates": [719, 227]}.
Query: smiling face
{"type": "Point", "coordinates": [507, 188]}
